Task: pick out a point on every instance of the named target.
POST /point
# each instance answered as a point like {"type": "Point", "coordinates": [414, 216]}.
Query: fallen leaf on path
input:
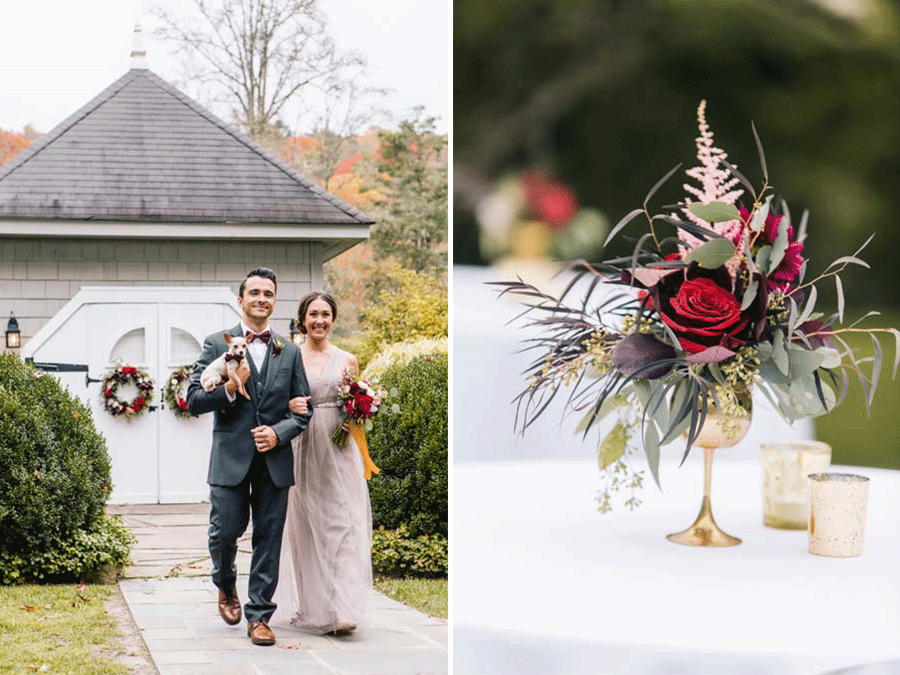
{"type": "Point", "coordinates": [31, 608]}
{"type": "Point", "coordinates": [293, 645]}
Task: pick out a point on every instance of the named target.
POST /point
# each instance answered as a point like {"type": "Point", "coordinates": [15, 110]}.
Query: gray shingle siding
{"type": "Point", "coordinates": [37, 279]}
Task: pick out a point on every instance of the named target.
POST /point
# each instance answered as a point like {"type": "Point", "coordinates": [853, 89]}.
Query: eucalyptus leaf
{"type": "Point", "coordinates": [896, 335]}
{"type": "Point", "coordinates": [613, 446]}
{"type": "Point", "coordinates": [750, 293]}
{"type": "Point", "coordinates": [395, 408]}
{"type": "Point", "coordinates": [763, 256]}
{"type": "Point", "coordinates": [805, 397]}
{"type": "Point", "coordinates": [808, 309]}
{"type": "Point", "coordinates": [831, 358]}
{"type": "Point", "coordinates": [804, 362]}
{"type": "Point", "coordinates": [642, 391]}
{"type": "Point", "coordinates": [651, 448]}
{"type": "Point", "coordinates": [715, 212]}
{"type": "Point", "coordinates": [658, 407]}
{"type": "Point", "coordinates": [779, 353]}
{"type": "Point", "coordinates": [840, 297]}
{"type": "Point", "coordinates": [713, 254]}
{"type": "Point", "coordinates": [876, 366]}
{"type": "Point", "coordinates": [779, 246]}
{"type": "Point", "coordinates": [802, 275]}
{"type": "Point", "coordinates": [758, 221]}
{"type": "Point", "coordinates": [801, 230]}
{"type": "Point", "coordinates": [785, 211]}
{"type": "Point", "coordinates": [846, 259]}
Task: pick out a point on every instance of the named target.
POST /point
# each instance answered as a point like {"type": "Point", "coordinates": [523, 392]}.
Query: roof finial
{"type": "Point", "coordinates": [138, 53]}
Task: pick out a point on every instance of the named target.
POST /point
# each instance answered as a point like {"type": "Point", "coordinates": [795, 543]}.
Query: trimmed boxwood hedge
{"type": "Point", "coordinates": [411, 449]}
{"type": "Point", "coordinates": [54, 482]}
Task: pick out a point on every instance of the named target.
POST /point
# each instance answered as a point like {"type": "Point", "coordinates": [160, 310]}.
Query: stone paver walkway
{"type": "Point", "coordinates": [173, 603]}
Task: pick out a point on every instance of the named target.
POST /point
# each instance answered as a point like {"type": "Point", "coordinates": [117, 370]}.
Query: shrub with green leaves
{"type": "Point", "coordinates": [410, 447]}
{"type": "Point", "coordinates": [54, 482]}
{"type": "Point", "coordinates": [409, 306]}
{"type": "Point", "coordinates": [395, 553]}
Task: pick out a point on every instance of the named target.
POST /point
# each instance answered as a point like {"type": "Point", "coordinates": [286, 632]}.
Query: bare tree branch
{"type": "Point", "coordinates": [259, 53]}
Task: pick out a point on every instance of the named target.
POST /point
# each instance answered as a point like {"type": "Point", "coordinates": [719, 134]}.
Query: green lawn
{"type": "Point", "coordinates": [855, 438]}
{"type": "Point", "coordinates": [58, 629]}
{"type": "Point", "coordinates": [426, 595]}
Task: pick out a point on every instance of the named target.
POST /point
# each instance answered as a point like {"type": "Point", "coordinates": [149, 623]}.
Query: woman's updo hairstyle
{"type": "Point", "coordinates": [305, 302]}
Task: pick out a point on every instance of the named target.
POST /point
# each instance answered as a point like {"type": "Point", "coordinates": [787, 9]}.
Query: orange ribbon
{"type": "Point", "coordinates": [359, 435]}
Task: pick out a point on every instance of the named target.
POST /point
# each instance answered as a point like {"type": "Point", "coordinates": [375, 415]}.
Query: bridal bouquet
{"type": "Point", "coordinates": [712, 301]}
{"type": "Point", "coordinates": [359, 402]}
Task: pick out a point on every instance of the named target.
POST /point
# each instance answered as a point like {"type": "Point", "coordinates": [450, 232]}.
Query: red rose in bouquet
{"type": "Point", "coordinates": [359, 403]}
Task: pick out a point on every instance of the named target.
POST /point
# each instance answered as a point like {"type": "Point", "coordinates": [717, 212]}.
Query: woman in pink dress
{"type": "Point", "coordinates": [326, 564]}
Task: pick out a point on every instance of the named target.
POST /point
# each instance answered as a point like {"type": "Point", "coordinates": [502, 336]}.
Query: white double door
{"type": "Point", "coordinates": [156, 457]}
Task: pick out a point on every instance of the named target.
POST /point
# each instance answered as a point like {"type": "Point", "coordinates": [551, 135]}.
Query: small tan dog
{"type": "Point", "coordinates": [223, 368]}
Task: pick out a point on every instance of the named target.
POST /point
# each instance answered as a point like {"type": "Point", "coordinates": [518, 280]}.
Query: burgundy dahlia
{"type": "Point", "coordinates": [782, 276]}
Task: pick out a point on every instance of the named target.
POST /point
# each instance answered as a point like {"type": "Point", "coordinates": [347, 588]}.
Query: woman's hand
{"type": "Point", "coordinates": [298, 405]}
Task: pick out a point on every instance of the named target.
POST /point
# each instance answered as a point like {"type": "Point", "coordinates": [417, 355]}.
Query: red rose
{"type": "Point", "coordinates": [128, 370]}
{"type": "Point", "coordinates": [139, 403]}
{"type": "Point", "coordinates": [108, 393]}
{"type": "Point", "coordinates": [183, 404]}
{"type": "Point", "coordinates": [364, 403]}
{"type": "Point", "coordinates": [701, 311]}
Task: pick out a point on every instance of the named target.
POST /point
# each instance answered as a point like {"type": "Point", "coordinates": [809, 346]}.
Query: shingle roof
{"type": "Point", "coordinates": [142, 150]}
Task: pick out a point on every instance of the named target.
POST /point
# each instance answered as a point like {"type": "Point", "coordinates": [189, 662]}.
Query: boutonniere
{"type": "Point", "coordinates": [277, 346]}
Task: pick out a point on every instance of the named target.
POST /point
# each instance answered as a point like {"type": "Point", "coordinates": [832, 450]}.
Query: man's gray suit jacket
{"type": "Point", "coordinates": [233, 448]}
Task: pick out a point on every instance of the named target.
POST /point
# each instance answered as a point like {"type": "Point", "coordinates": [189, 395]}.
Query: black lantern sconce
{"type": "Point", "coordinates": [13, 334]}
{"type": "Point", "coordinates": [296, 335]}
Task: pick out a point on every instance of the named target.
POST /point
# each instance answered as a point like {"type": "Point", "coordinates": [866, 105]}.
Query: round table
{"type": "Point", "coordinates": [545, 584]}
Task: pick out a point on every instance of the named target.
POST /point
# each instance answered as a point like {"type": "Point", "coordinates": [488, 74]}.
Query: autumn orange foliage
{"type": "Point", "coordinates": [11, 144]}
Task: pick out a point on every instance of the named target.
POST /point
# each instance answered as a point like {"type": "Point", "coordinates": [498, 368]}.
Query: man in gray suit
{"type": "Point", "coordinates": [251, 465]}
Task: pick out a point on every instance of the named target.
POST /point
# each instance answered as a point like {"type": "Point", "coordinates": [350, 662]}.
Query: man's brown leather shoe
{"type": "Point", "coordinates": [259, 633]}
{"type": "Point", "coordinates": [230, 607]}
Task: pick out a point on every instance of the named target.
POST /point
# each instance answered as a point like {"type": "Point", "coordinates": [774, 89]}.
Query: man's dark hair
{"type": "Point", "coordinates": [307, 300]}
{"type": "Point", "coordinates": [263, 272]}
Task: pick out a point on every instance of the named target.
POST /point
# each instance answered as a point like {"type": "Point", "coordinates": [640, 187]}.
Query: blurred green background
{"type": "Point", "coordinates": [603, 95]}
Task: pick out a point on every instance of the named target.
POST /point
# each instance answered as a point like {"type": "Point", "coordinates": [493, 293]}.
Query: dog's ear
{"type": "Point", "coordinates": [227, 338]}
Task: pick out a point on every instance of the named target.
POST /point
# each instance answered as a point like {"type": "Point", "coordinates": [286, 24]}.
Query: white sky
{"type": "Point", "coordinates": [55, 55]}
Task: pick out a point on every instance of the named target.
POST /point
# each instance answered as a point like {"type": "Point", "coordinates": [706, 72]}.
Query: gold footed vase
{"type": "Point", "coordinates": [719, 431]}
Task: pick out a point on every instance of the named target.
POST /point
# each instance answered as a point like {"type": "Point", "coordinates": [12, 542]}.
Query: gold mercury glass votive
{"type": "Point", "coordinates": [837, 514]}
{"type": "Point", "coordinates": [785, 467]}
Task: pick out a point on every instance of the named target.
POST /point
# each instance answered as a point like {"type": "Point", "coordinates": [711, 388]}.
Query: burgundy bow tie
{"type": "Point", "coordinates": [232, 357]}
{"type": "Point", "coordinates": [262, 337]}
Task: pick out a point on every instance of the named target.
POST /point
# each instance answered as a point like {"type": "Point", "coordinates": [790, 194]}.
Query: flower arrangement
{"type": "Point", "coordinates": [175, 386]}
{"type": "Point", "coordinates": [532, 215]}
{"type": "Point", "coordinates": [359, 402]}
{"type": "Point", "coordinates": [125, 375]}
{"type": "Point", "coordinates": [712, 302]}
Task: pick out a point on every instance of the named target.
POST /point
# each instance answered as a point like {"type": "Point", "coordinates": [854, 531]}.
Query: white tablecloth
{"type": "Point", "coordinates": [544, 584]}
{"type": "Point", "coordinates": [487, 376]}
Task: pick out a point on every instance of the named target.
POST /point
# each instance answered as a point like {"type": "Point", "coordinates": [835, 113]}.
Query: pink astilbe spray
{"type": "Point", "coordinates": [716, 183]}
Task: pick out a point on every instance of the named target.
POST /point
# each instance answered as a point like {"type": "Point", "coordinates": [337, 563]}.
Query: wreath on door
{"type": "Point", "coordinates": [115, 378]}
{"type": "Point", "coordinates": [175, 386]}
